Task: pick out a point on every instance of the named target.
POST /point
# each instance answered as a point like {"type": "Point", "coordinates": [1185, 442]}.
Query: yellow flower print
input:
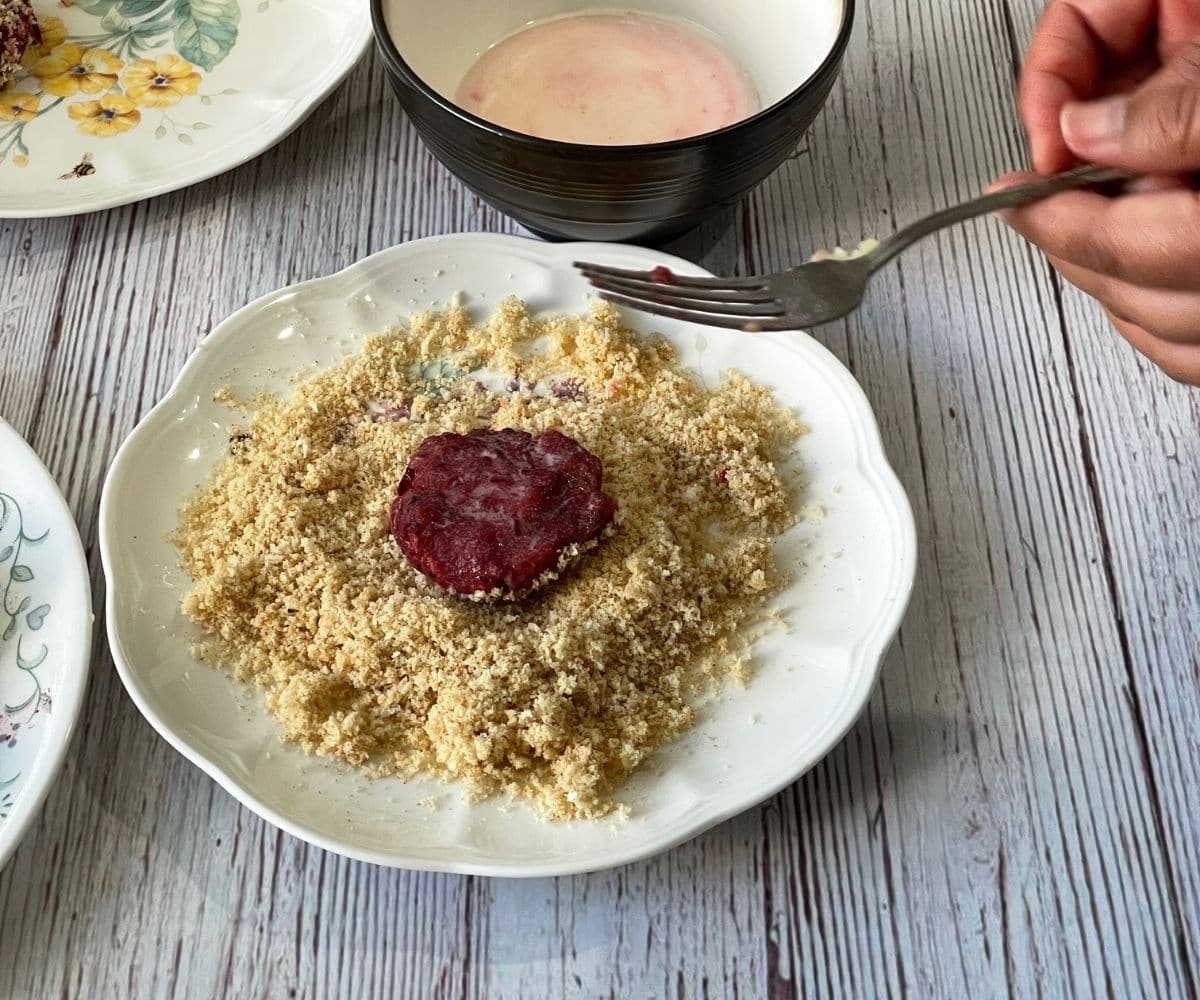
{"type": "Point", "coordinates": [111, 115]}
{"type": "Point", "coordinates": [54, 33]}
{"type": "Point", "coordinates": [18, 107]}
{"type": "Point", "coordinates": [71, 69]}
{"type": "Point", "coordinates": [160, 82]}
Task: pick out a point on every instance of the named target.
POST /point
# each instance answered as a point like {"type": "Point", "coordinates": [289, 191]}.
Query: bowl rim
{"type": "Point", "coordinates": [398, 65]}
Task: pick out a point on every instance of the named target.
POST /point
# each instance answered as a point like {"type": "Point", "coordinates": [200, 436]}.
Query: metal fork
{"type": "Point", "coordinates": [816, 292]}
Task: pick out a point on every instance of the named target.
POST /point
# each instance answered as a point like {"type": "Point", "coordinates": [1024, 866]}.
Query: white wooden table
{"type": "Point", "coordinates": [1016, 813]}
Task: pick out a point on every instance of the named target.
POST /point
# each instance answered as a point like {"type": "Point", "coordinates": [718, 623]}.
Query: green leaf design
{"type": "Point", "coordinates": [206, 30]}
{"type": "Point", "coordinates": [114, 22]}
{"type": "Point", "coordinates": [184, 138]}
{"type": "Point", "coordinates": [22, 574]}
{"type": "Point", "coordinates": [160, 131]}
{"type": "Point", "coordinates": [140, 8]}
{"type": "Point", "coordinates": [11, 630]}
{"type": "Point", "coordinates": [28, 664]}
{"type": "Point", "coordinates": [97, 8]}
{"type": "Point", "coordinates": [150, 34]}
{"type": "Point", "coordinates": [5, 553]}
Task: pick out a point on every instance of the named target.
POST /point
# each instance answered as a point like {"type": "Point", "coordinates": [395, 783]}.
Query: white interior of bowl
{"type": "Point", "coordinates": [780, 43]}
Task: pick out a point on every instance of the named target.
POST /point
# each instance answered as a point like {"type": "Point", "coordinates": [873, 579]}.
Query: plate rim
{"type": "Point", "coordinates": [869, 650]}
{"type": "Point", "coordinates": [50, 758]}
{"type": "Point", "coordinates": [273, 132]}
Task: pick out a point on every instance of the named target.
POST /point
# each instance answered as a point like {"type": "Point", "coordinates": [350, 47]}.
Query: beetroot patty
{"type": "Point", "coordinates": [494, 510]}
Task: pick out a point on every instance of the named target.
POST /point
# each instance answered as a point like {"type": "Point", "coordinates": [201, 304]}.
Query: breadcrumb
{"type": "Point", "coordinates": [556, 699]}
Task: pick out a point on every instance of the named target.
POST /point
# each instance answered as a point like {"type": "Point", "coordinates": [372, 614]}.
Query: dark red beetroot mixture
{"type": "Point", "coordinates": [496, 509]}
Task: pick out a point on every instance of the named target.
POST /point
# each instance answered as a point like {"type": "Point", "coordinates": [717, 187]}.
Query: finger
{"type": "Point", "coordinates": [1178, 361]}
{"type": "Point", "coordinates": [1153, 183]}
{"type": "Point", "coordinates": [1178, 27]}
{"type": "Point", "coordinates": [1155, 128]}
{"type": "Point", "coordinates": [1182, 64]}
{"type": "Point", "coordinates": [1148, 184]}
{"type": "Point", "coordinates": [1067, 54]}
{"type": "Point", "coordinates": [1009, 180]}
{"type": "Point", "coordinates": [1145, 239]}
{"type": "Point", "coordinates": [1062, 65]}
{"type": "Point", "coordinates": [1129, 76]}
{"type": "Point", "coordinates": [1169, 315]}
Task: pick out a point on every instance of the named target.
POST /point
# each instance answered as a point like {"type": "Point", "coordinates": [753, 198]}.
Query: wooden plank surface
{"type": "Point", "coordinates": [1015, 814]}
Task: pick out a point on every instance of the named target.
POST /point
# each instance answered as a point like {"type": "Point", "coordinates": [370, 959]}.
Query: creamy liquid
{"type": "Point", "coordinates": [608, 79]}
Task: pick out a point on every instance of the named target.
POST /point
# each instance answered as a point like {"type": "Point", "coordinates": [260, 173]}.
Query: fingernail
{"type": "Point", "coordinates": [1095, 125]}
{"type": "Point", "coordinates": [1155, 184]}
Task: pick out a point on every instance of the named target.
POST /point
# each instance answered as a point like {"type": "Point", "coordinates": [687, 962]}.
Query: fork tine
{"type": "Point", "coordinates": [678, 280]}
{"type": "Point", "coordinates": [746, 323]}
{"type": "Point", "coordinates": [665, 295]}
{"type": "Point", "coordinates": [650, 289]}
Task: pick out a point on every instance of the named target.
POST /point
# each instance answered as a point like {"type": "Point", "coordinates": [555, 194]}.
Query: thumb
{"type": "Point", "coordinates": [1155, 129]}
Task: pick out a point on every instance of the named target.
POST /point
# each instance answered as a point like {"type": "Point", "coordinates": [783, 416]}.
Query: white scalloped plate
{"type": "Point", "coordinates": [808, 688]}
{"type": "Point", "coordinates": [45, 635]}
{"type": "Point", "coordinates": [252, 71]}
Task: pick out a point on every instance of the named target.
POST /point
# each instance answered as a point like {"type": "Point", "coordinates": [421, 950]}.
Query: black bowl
{"type": "Point", "coordinates": [646, 194]}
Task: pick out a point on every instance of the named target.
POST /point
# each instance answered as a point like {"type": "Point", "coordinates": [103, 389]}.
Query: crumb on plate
{"type": "Point", "coordinates": [300, 589]}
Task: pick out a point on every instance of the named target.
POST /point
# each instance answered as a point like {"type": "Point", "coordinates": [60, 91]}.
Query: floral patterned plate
{"type": "Point", "coordinates": [125, 99]}
{"type": "Point", "coordinates": [45, 634]}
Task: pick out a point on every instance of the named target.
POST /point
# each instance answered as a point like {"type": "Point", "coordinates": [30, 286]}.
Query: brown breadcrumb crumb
{"type": "Point", "coordinates": [557, 698]}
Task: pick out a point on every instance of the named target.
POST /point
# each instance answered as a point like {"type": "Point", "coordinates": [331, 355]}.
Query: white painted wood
{"type": "Point", "coordinates": [1014, 815]}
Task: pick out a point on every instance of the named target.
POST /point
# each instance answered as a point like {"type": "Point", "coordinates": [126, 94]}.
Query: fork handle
{"type": "Point", "coordinates": [1010, 197]}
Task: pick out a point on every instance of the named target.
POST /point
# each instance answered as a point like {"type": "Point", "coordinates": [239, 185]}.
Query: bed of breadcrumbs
{"type": "Point", "coordinates": [300, 588]}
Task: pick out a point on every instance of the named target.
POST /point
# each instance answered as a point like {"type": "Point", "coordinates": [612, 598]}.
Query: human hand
{"type": "Point", "coordinates": [1117, 82]}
